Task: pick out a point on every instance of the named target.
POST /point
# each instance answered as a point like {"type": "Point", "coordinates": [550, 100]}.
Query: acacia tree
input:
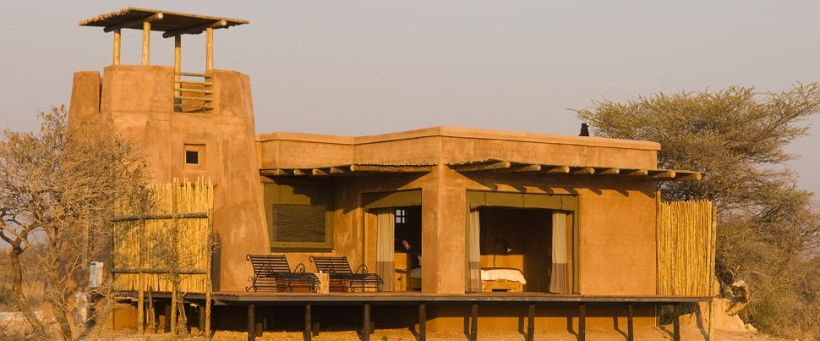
{"type": "Point", "coordinates": [768, 228]}
{"type": "Point", "coordinates": [57, 189]}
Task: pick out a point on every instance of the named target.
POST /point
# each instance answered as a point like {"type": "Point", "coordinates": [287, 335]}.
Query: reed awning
{"type": "Point", "coordinates": [347, 170]}
{"type": "Point", "coordinates": [507, 166]}
{"type": "Point", "coordinates": [171, 23]}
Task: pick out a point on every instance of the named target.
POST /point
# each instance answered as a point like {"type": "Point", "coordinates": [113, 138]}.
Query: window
{"type": "Point", "coordinates": [299, 215]}
{"type": "Point", "coordinates": [299, 223]}
{"type": "Point", "coordinates": [401, 216]}
{"type": "Point", "coordinates": [194, 156]}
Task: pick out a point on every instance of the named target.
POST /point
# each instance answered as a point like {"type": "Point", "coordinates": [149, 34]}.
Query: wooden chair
{"type": "Point", "coordinates": [272, 273]}
{"type": "Point", "coordinates": [342, 277]}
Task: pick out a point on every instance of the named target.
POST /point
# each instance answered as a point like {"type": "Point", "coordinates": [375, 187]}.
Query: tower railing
{"type": "Point", "coordinates": [192, 96]}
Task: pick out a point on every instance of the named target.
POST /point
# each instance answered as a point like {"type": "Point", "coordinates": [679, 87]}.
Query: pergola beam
{"type": "Point", "coordinates": [195, 29]}
{"type": "Point", "coordinates": [134, 23]}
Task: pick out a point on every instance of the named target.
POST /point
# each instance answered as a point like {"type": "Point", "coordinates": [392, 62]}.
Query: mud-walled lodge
{"type": "Point", "coordinates": [435, 229]}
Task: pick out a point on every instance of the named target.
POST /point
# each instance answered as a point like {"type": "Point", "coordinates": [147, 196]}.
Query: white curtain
{"type": "Point", "coordinates": [558, 275]}
{"type": "Point", "coordinates": [474, 252]}
{"type": "Point", "coordinates": [385, 247]}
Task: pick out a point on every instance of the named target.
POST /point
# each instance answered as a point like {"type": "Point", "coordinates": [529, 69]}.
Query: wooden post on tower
{"type": "Point", "coordinates": [209, 49]}
{"type": "Point", "coordinates": [117, 43]}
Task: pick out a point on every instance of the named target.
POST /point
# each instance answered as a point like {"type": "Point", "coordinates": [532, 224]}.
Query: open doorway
{"type": "Point", "coordinates": [522, 249]}
{"type": "Point", "coordinates": [398, 247]}
{"type": "Point", "coordinates": [407, 248]}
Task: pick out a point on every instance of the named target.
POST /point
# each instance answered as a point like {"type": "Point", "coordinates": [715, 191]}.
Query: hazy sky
{"type": "Point", "coordinates": [349, 67]}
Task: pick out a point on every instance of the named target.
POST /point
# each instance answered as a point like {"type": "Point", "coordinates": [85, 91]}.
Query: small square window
{"type": "Point", "coordinates": [194, 156]}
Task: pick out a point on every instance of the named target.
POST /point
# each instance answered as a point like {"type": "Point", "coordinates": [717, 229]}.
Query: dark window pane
{"type": "Point", "coordinates": [299, 223]}
{"type": "Point", "coordinates": [191, 157]}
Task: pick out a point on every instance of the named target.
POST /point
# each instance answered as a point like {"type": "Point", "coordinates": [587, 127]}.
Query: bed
{"type": "Point", "coordinates": [502, 280]}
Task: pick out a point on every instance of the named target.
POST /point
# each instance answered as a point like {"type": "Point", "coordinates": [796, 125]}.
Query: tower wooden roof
{"type": "Point", "coordinates": [172, 23]}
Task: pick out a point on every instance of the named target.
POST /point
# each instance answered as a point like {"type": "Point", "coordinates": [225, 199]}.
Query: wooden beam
{"type": "Point", "coordinates": [390, 169]}
{"type": "Point", "coordinates": [484, 166]}
{"type": "Point", "coordinates": [299, 172]}
{"type": "Point", "coordinates": [195, 29]}
{"type": "Point", "coordinates": [251, 322]}
{"type": "Point", "coordinates": [688, 176]}
{"type": "Point", "coordinates": [607, 171]}
{"type": "Point", "coordinates": [117, 44]}
{"type": "Point", "coordinates": [521, 169]}
{"type": "Point", "coordinates": [634, 172]}
{"type": "Point", "coordinates": [630, 329]}
{"type": "Point", "coordinates": [177, 68]}
{"type": "Point", "coordinates": [340, 170]}
{"type": "Point", "coordinates": [146, 41]}
{"type": "Point", "coordinates": [659, 174]}
{"type": "Point", "coordinates": [582, 322]}
{"type": "Point", "coordinates": [556, 169]}
{"type": "Point", "coordinates": [318, 172]}
{"type": "Point", "coordinates": [273, 172]}
{"type": "Point", "coordinates": [676, 322]}
{"type": "Point", "coordinates": [366, 322]}
{"type": "Point", "coordinates": [422, 332]}
{"type": "Point", "coordinates": [530, 322]}
{"type": "Point", "coordinates": [134, 23]}
{"type": "Point", "coordinates": [474, 322]}
{"type": "Point", "coordinates": [307, 333]}
{"type": "Point", "coordinates": [209, 49]}
{"type": "Point", "coordinates": [583, 171]}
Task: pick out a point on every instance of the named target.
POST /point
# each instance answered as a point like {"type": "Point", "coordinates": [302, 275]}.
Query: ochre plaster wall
{"type": "Point", "coordinates": [138, 101]}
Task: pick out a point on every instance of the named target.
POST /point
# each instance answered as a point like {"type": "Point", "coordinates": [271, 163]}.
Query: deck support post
{"type": "Point", "coordinates": [582, 322]}
{"type": "Point", "coordinates": [676, 321]}
{"type": "Point", "coordinates": [422, 322]}
{"type": "Point", "coordinates": [630, 330]}
{"type": "Point", "coordinates": [530, 322]}
{"type": "Point", "coordinates": [308, 323]}
{"type": "Point", "coordinates": [251, 322]}
{"type": "Point", "coordinates": [366, 322]}
{"type": "Point", "coordinates": [474, 322]}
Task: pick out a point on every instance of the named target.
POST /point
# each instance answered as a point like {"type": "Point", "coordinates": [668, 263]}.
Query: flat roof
{"type": "Point", "coordinates": [462, 132]}
{"type": "Point", "coordinates": [185, 23]}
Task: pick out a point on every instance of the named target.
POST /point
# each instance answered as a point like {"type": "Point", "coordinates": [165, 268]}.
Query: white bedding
{"type": "Point", "coordinates": [513, 275]}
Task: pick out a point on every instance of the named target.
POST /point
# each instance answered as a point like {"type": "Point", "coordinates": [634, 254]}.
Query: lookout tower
{"type": "Point", "coordinates": [188, 95]}
{"type": "Point", "coordinates": [185, 124]}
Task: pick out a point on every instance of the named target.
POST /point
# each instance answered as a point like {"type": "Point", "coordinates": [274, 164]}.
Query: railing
{"type": "Point", "coordinates": [193, 96]}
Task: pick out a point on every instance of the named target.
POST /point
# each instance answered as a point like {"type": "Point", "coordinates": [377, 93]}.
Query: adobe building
{"type": "Point", "coordinates": [460, 223]}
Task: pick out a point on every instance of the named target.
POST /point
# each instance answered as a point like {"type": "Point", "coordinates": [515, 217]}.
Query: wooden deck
{"type": "Point", "coordinates": [228, 297]}
{"type": "Point", "coordinates": [422, 300]}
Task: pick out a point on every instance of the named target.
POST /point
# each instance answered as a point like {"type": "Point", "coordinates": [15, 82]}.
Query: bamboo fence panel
{"type": "Point", "coordinates": [686, 248]}
{"type": "Point", "coordinates": [166, 237]}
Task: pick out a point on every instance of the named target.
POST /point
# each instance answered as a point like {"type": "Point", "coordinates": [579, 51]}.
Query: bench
{"type": "Point", "coordinates": [342, 277]}
{"type": "Point", "coordinates": [272, 273]}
